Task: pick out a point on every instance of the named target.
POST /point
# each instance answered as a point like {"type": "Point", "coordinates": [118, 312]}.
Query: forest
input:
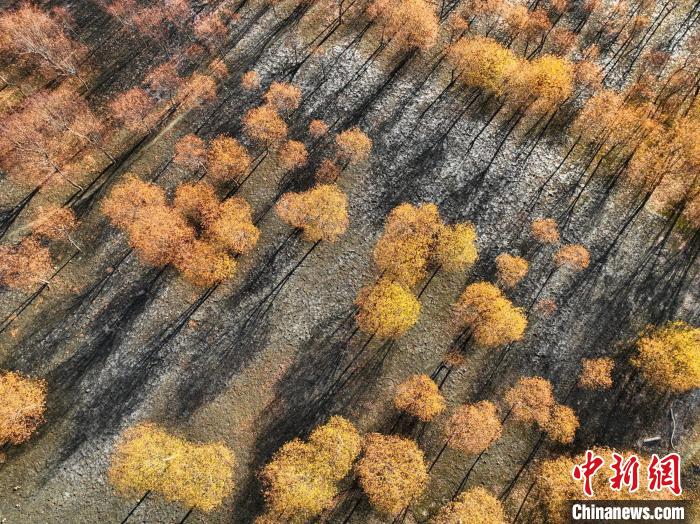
{"type": "Point", "coordinates": [346, 261]}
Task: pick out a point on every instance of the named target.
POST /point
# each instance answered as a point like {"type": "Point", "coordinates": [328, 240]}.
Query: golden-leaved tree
{"type": "Point", "coordinates": [391, 472]}
{"type": "Point", "coordinates": [22, 407]}
{"type": "Point", "coordinates": [669, 357]}
{"type": "Point", "coordinates": [489, 315]}
{"type": "Point", "coordinates": [386, 309]}
{"type": "Point", "coordinates": [149, 459]}
{"type": "Point", "coordinates": [302, 478]}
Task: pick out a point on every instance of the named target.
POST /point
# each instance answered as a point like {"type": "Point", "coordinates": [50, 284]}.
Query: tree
{"type": "Point", "coordinates": [386, 309]}
{"type": "Point", "coordinates": [531, 400]}
{"type": "Point", "coordinates": [490, 316]}
{"type": "Point", "coordinates": [159, 234]}
{"type": "Point", "coordinates": [474, 506]}
{"type": "Point", "coordinates": [210, 30]}
{"type": "Point", "coordinates": [572, 256]}
{"type": "Point", "coordinates": [412, 24]}
{"type": "Point", "coordinates": [353, 146]}
{"type": "Point", "coordinates": [292, 155]}
{"type": "Point", "coordinates": [53, 222]}
{"type": "Point", "coordinates": [318, 128]}
{"type": "Point", "coordinates": [227, 159]}
{"type": "Point", "coordinates": [198, 89]}
{"type": "Point", "coordinates": [511, 269]}
{"type": "Point", "coordinates": [456, 249]}
{"type": "Point", "coordinates": [482, 63]}
{"type": "Point", "coordinates": [420, 397]}
{"type": "Point", "coordinates": [232, 227]}
{"type": "Point", "coordinates": [147, 458]}
{"type": "Point", "coordinates": [320, 212]}
{"type": "Point", "coordinates": [190, 152]}
{"type": "Point", "coordinates": [22, 408]}
{"type": "Point", "coordinates": [669, 357]}
{"type": "Point", "coordinates": [25, 264]}
{"type": "Point", "coordinates": [328, 172]}
{"type": "Point", "coordinates": [202, 264]}
{"type": "Point", "coordinates": [301, 479]}
{"type": "Point", "coordinates": [404, 250]}
{"type": "Point", "coordinates": [29, 31]}
{"type": "Point", "coordinates": [391, 472]}
{"type": "Point", "coordinates": [561, 425]}
{"type": "Point", "coordinates": [263, 125]}
{"type": "Point", "coordinates": [544, 82]}
{"type": "Point", "coordinates": [164, 81]}
{"type": "Point", "coordinates": [250, 81]}
{"type": "Point", "coordinates": [596, 373]}
{"type": "Point", "coordinates": [129, 198]}
{"type": "Point", "coordinates": [43, 137]}
{"type": "Point", "coordinates": [284, 97]}
{"type": "Point", "coordinates": [473, 428]}
{"type": "Point", "coordinates": [545, 230]}
{"type": "Point", "coordinates": [133, 108]}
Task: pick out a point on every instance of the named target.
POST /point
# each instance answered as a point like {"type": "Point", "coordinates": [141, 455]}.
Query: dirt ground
{"type": "Point", "coordinates": [254, 365]}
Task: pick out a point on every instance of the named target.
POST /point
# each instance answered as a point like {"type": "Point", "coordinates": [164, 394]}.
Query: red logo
{"type": "Point", "coordinates": [662, 473]}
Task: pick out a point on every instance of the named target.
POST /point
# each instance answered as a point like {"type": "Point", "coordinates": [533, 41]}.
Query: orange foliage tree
{"type": "Point", "coordinates": [489, 315]}
{"type": "Point", "coordinates": [292, 155]}
{"type": "Point", "coordinates": [511, 269]}
{"type": "Point", "coordinates": [545, 230]}
{"type": "Point", "coordinates": [302, 478]}
{"type": "Point", "coordinates": [391, 472]}
{"type": "Point", "coordinates": [669, 357]}
{"type": "Point", "coordinates": [472, 428]}
{"type": "Point", "coordinates": [284, 97]}
{"type": "Point", "coordinates": [29, 31]}
{"type": "Point", "coordinates": [476, 505]}
{"type": "Point", "coordinates": [43, 137]}
{"type": "Point", "coordinates": [531, 400]}
{"type": "Point", "coordinates": [227, 159]}
{"type": "Point", "coordinates": [25, 264]}
{"type": "Point", "coordinates": [190, 152]}
{"type": "Point", "coordinates": [321, 212]}
{"type": "Point", "coordinates": [386, 309]}
{"type": "Point", "coordinates": [411, 24]}
{"type": "Point", "coordinates": [572, 256]}
{"type": "Point", "coordinates": [420, 397]}
{"type": "Point", "coordinates": [134, 109]}
{"type": "Point", "coordinates": [456, 249]}
{"type": "Point", "coordinates": [353, 146]}
{"type": "Point", "coordinates": [403, 252]}
{"type": "Point", "coordinates": [264, 126]}
{"type": "Point", "coordinates": [147, 458]}
{"type": "Point", "coordinates": [596, 373]}
{"type": "Point", "coordinates": [482, 63]}
{"type": "Point", "coordinates": [22, 407]}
